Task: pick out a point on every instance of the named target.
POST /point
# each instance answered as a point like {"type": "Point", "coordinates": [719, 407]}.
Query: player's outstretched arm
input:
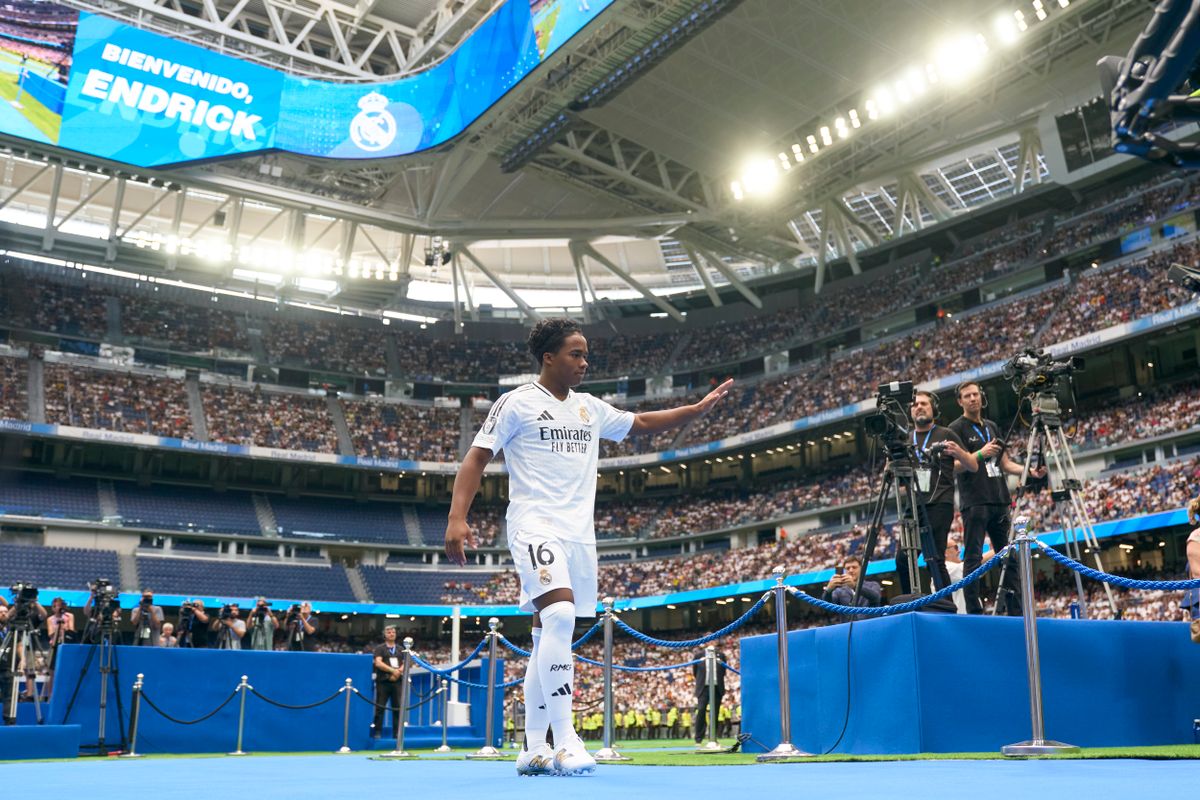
{"type": "Point", "coordinates": [466, 486]}
{"type": "Point", "coordinates": [655, 421]}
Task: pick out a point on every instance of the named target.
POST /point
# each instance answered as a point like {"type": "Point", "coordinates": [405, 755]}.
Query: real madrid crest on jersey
{"type": "Point", "coordinates": [373, 128]}
{"type": "Point", "coordinates": [583, 416]}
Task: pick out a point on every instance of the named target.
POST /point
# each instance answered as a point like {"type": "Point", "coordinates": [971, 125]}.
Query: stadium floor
{"type": "Point", "coordinates": [324, 776]}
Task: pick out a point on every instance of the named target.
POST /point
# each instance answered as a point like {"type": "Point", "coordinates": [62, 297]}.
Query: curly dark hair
{"type": "Point", "coordinates": [549, 334]}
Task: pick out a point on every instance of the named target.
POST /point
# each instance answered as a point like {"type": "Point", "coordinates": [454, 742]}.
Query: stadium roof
{"type": "Point", "coordinates": [633, 194]}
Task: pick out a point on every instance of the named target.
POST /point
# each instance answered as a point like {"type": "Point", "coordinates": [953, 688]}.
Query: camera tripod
{"type": "Point", "coordinates": [1046, 433]}
{"type": "Point", "coordinates": [99, 631]}
{"type": "Point", "coordinates": [899, 484]}
{"type": "Point", "coordinates": [18, 653]}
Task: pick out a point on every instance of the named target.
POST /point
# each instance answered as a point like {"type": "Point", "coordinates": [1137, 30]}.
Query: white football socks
{"type": "Point", "coordinates": [537, 719]}
{"type": "Point", "coordinates": [556, 668]}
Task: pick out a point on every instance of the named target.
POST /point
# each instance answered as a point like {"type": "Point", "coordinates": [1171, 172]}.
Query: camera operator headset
{"type": "Point", "coordinates": [939, 454]}
{"type": "Point", "coordinates": [983, 495]}
{"type": "Point", "coordinates": [300, 628]}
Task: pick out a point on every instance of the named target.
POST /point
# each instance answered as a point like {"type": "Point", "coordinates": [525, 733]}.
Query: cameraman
{"type": "Point", "coordinates": [300, 628]}
{"type": "Point", "coordinates": [939, 454]}
{"type": "Point", "coordinates": [262, 625]}
{"type": "Point", "coordinates": [60, 629]}
{"type": "Point", "coordinates": [983, 497]}
{"type": "Point", "coordinates": [193, 624]}
{"type": "Point", "coordinates": [147, 620]}
{"type": "Point", "coordinates": [229, 627]}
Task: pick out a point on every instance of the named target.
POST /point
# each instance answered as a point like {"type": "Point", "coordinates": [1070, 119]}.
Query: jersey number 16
{"type": "Point", "coordinates": [543, 556]}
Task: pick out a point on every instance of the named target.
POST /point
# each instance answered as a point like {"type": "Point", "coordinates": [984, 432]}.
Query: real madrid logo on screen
{"type": "Point", "coordinates": [373, 128]}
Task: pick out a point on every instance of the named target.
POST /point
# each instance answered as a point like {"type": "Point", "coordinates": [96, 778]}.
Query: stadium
{"type": "Point", "coordinates": [268, 275]}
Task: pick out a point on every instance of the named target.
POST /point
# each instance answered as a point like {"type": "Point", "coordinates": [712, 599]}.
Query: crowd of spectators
{"type": "Point", "coordinates": [460, 359]}
{"type": "Point", "coordinates": [1105, 217]}
{"type": "Point", "coordinates": [1102, 298]}
{"type": "Point", "coordinates": [53, 307]}
{"type": "Point", "coordinates": [326, 344]}
{"type": "Point", "coordinates": [255, 417]}
{"type": "Point", "coordinates": [1166, 409]}
{"type": "Point", "coordinates": [397, 430]}
{"type": "Point", "coordinates": [983, 265]}
{"type": "Point", "coordinates": [182, 326]}
{"type": "Point", "coordinates": [14, 388]}
{"type": "Point", "coordinates": [117, 401]}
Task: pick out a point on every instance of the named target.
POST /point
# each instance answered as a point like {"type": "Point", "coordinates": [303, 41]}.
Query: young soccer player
{"type": "Point", "coordinates": [550, 436]}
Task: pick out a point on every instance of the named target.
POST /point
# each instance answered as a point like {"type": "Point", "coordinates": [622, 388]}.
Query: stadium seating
{"type": "Point", "coordinates": [35, 494]}
{"type": "Point", "coordinates": [333, 518]}
{"type": "Point", "coordinates": [186, 509]}
{"type": "Point", "coordinates": [69, 568]}
{"type": "Point", "coordinates": [221, 578]}
{"type": "Point", "coordinates": [414, 586]}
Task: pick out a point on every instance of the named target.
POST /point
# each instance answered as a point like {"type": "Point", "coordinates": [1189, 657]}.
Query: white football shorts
{"type": "Point", "coordinates": [544, 562]}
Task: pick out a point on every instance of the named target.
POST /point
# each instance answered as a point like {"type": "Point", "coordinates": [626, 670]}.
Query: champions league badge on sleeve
{"type": "Point", "coordinates": [373, 128]}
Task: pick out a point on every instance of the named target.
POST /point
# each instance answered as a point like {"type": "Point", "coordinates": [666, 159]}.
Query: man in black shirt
{"type": "Point", "coordinates": [983, 496]}
{"type": "Point", "coordinates": [939, 454]}
{"type": "Point", "coordinates": [389, 669]}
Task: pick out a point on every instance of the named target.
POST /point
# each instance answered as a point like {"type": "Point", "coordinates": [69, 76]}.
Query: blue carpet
{"type": "Point", "coordinates": [279, 777]}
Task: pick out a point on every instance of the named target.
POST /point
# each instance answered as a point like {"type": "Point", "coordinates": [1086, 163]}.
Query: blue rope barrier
{"type": "Point", "coordinates": [734, 670]}
{"type": "Point", "coordinates": [1116, 580]}
{"type": "Point", "coordinates": [514, 648]}
{"type": "Point", "coordinates": [580, 642]}
{"type": "Point", "coordinates": [448, 674]}
{"type": "Point", "coordinates": [712, 637]}
{"type": "Point", "coordinates": [913, 605]}
{"type": "Point", "coordinates": [623, 668]}
{"type": "Point", "coordinates": [478, 649]}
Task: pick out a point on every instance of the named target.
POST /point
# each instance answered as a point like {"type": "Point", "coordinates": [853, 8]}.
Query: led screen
{"type": "Point", "coordinates": [92, 84]}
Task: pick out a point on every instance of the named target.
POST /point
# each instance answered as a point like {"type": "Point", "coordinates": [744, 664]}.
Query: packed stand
{"type": "Point", "coordinates": [14, 388]}
{"type": "Point", "coordinates": [648, 443]}
{"type": "Point", "coordinates": [52, 307]}
{"type": "Point", "coordinates": [460, 359]}
{"type": "Point", "coordinates": [616, 355]}
{"type": "Point", "coordinates": [255, 417]}
{"type": "Point", "coordinates": [1055, 593]}
{"type": "Point", "coordinates": [117, 401]}
{"type": "Point", "coordinates": [1162, 411]}
{"type": "Point", "coordinates": [1142, 205]}
{"type": "Point", "coordinates": [981, 267]}
{"type": "Point", "coordinates": [182, 326]}
{"type": "Point", "coordinates": [1102, 298]}
{"type": "Point", "coordinates": [397, 430]}
{"type": "Point", "coordinates": [326, 344]}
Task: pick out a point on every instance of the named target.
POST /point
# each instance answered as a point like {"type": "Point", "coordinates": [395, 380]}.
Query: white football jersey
{"type": "Point", "coordinates": [551, 448]}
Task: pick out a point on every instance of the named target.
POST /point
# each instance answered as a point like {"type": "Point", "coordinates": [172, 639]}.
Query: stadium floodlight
{"type": "Point", "coordinates": [813, 147]}
{"type": "Point", "coordinates": [1007, 30]}
{"type": "Point", "coordinates": [1039, 8]}
{"type": "Point", "coordinates": [797, 152]}
{"type": "Point", "coordinates": [872, 109]}
{"type": "Point", "coordinates": [735, 187]}
{"type": "Point", "coordinates": [1064, 3]}
{"type": "Point", "coordinates": [1019, 18]}
{"type": "Point", "coordinates": [760, 176]}
{"type": "Point", "coordinates": [840, 126]}
{"type": "Point", "coordinates": [785, 162]}
{"type": "Point", "coordinates": [826, 136]}
{"type": "Point", "coordinates": [855, 122]}
{"type": "Point", "coordinates": [883, 101]}
{"type": "Point", "coordinates": [960, 57]}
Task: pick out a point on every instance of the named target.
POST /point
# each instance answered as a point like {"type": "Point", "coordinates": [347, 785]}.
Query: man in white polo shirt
{"type": "Point", "coordinates": [550, 436]}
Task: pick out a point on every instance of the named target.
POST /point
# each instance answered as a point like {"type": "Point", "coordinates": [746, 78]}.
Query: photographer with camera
{"type": "Point", "coordinates": [300, 628]}
{"type": "Point", "coordinates": [262, 625]}
{"type": "Point", "coordinates": [147, 620]}
{"type": "Point", "coordinates": [939, 455]}
{"type": "Point", "coordinates": [102, 612]}
{"type": "Point", "coordinates": [60, 629]}
{"type": "Point", "coordinates": [193, 624]}
{"type": "Point", "coordinates": [983, 496]}
{"type": "Point", "coordinates": [229, 627]}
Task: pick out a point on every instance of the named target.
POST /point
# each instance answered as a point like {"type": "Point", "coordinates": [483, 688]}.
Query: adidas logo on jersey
{"type": "Point", "coordinates": [562, 691]}
{"type": "Point", "coordinates": [545, 416]}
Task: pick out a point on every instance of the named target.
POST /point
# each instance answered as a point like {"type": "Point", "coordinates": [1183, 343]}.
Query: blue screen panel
{"type": "Point", "coordinates": [92, 84]}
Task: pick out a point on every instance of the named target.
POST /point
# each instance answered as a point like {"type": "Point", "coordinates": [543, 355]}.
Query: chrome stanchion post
{"type": "Point", "coordinates": [445, 748]}
{"type": "Point", "coordinates": [785, 750]}
{"type": "Point", "coordinates": [710, 680]}
{"type": "Point", "coordinates": [1038, 745]}
{"type": "Point", "coordinates": [242, 687]}
{"type": "Point", "coordinates": [135, 715]}
{"type": "Point", "coordinates": [348, 689]}
{"type": "Point", "coordinates": [608, 752]}
{"type": "Point", "coordinates": [400, 716]}
{"type": "Point", "coordinates": [489, 750]}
